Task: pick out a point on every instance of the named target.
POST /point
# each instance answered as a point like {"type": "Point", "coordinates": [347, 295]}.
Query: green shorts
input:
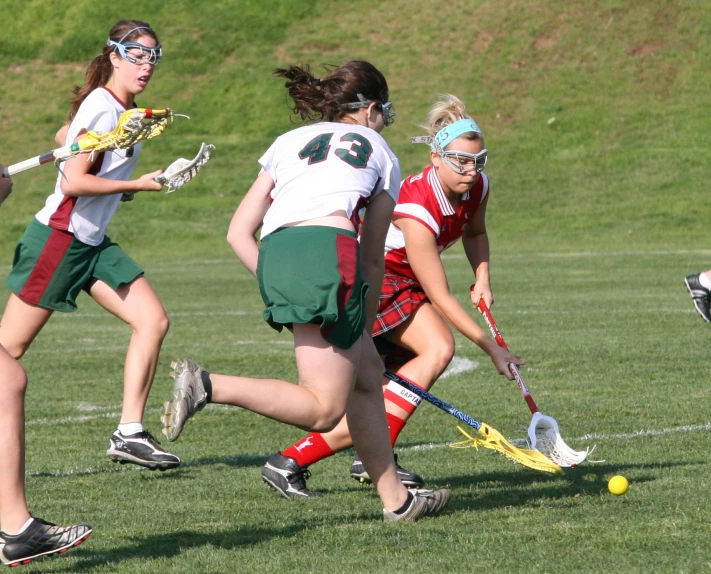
{"type": "Point", "coordinates": [311, 274]}
{"type": "Point", "coordinates": [51, 267]}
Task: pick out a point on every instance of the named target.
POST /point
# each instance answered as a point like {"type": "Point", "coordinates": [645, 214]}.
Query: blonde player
{"type": "Point", "coordinates": [65, 248]}
{"type": "Point", "coordinates": [22, 536]}
{"type": "Point", "coordinates": [316, 279]}
{"type": "Point", "coordinates": [437, 207]}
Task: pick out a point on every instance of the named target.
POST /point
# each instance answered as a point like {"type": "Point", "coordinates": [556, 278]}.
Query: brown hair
{"type": "Point", "coordinates": [99, 71]}
{"type": "Point", "coordinates": [317, 99]}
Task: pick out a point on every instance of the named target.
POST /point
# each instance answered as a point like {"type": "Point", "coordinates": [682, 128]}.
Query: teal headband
{"type": "Point", "coordinates": [449, 133]}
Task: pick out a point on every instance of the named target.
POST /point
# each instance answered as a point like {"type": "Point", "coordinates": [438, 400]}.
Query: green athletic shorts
{"type": "Point", "coordinates": [311, 274]}
{"type": "Point", "coordinates": [51, 267]}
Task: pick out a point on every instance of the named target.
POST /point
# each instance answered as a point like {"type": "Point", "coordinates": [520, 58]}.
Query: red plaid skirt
{"type": "Point", "coordinates": [399, 298]}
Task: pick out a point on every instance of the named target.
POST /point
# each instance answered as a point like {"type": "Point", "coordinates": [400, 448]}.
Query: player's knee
{"type": "Point", "coordinates": [327, 422]}
{"type": "Point", "coordinates": [14, 377]}
{"type": "Point", "coordinates": [16, 349]}
{"type": "Point", "coordinates": [441, 352]}
{"type": "Point", "coordinates": [156, 325]}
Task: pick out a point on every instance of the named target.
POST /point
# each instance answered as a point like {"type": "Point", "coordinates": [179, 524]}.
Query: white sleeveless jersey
{"type": "Point", "coordinates": [326, 167]}
{"type": "Point", "coordinates": [88, 217]}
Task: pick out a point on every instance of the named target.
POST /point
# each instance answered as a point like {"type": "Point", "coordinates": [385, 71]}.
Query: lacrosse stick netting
{"type": "Point", "coordinates": [134, 125]}
{"type": "Point", "coordinates": [543, 432]}
{"type": "Point", "coordinates": [182, 170]}
{"type": "Point", "coordinates": [492, 439]}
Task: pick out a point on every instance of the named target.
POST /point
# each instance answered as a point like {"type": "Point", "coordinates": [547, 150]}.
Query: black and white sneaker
{"type": "Point", "coordinates": [40, 538]}
{"type": "Point", "coordinates": [283, 474]}
{"type": "Point", "coordinates": [700, 295]}
{"type": "Point", "coordinates": [409, 479]}
{"type": "Point", "coordinates": [141, 449]}
{"type": "Point", "coordinates": [424, 503]}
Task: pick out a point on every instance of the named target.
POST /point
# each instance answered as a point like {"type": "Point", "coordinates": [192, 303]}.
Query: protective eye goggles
{"type": "Point", "coordinates": [387, 109]}
{"type": "Point", "coordinates": [459, 161]}
{"type": "Point", "coordinates": [137, 53]}
{"type": "Point", "coordinates": [462, 162]}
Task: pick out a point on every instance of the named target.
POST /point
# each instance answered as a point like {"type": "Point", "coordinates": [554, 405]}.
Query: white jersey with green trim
{"type": "Point", "coordinates": [327, 167]}
{"type": "Point", "coordinates": [87, 217]}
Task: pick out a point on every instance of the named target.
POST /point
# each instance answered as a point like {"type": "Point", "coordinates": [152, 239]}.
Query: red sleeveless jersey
{"type": "Point", "coordinates": [423, 199]}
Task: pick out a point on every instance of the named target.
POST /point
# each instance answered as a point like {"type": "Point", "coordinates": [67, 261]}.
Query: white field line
{"type": "Point", "coordinates": [419, 447]}
{"type": "Point", "coordinates": [178, 314]}
{"type": "Point", "coordinates": [458, 366]}
{"type": "Point", "coordinates": [82, 418]}
{"type": "Point", "coordinates": [57, 349]}
{"type": "Point", "coordinates": [582, 254]}
{"type": "Point", "coordinates": [630, 253]}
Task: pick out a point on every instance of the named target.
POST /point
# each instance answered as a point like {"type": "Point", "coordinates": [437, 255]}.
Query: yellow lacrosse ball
{"type": "Point", "coordinates": [618, 485]}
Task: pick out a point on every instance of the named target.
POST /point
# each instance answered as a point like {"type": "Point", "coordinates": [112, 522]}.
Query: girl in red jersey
{"type": "Point", "coordinates": [435, 208]}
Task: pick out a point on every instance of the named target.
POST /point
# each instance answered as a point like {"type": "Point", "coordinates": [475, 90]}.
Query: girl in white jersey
{"type": "Point", "coordinates": [22, 537]}
{"type": "Point", "coordinates": [435, 208]}
{"type": "Point", "coordinates": [65, 248]}
{"type": "Point", "coordinates": [317, 280]}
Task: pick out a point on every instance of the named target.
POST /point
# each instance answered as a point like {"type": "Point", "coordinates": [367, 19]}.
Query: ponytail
{"type": "Point", "coordinates": [97, 74]}
{"type": "Point", "coordinates": [328, 98]}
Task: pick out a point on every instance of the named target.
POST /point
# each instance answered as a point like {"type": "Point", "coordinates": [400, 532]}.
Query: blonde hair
{"type": "Point", "coordinates": [446, 111]}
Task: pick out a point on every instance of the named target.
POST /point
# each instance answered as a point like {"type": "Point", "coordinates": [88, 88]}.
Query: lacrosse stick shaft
{"type": "Point", "coordinates": [36, 161]}
{"type": "Point", "coordinates": [489, 319]}
{"type": "Point", "coordinates": [423, 394]}
{"type": "Point", "coordinates": [98, 141]}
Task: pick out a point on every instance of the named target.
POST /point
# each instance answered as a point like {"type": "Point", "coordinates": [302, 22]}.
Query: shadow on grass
{"type": "Point", "coordinates": [169, 545]}
{"type": "Point", "coordinates": [498, 489]}
{"type": "Point", "coordinates": [238, 461]}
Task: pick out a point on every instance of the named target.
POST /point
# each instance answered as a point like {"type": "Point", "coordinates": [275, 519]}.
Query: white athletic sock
{"type": "Point", "coordinates": [26, 525]}
{"type": "Point", "coordinates": [130, 428]}
{"type": "Point", "coordinates": [705, 281]}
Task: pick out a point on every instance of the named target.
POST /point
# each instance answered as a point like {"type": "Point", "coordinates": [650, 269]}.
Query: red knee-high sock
{"type": "Point", "coordinates": [309, 450]}
{"type": "Point", "coordinates": [406, 400]}
{"type": "Point", "coordinates": [395, 425]}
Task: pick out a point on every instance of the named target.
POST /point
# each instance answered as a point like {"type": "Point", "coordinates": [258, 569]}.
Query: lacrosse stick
{"type": "Point", "coordinates": [493, 439]}
{"type": "Point", "coordinates": [133, 126]}
{"type": "Point", "coordinates": [543, 433]}
{"type": "Point", "coordinates": [182, 170]}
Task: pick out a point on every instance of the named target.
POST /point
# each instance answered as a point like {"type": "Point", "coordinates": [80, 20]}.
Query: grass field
{"type": "Point", "coordinates": [595, 115]}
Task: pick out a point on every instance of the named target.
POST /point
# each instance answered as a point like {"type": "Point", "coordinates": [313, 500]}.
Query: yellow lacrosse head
{"type": "Point", "coordinates": [134, 125]}
{"type": "Point", "coordinates": [494, 440]}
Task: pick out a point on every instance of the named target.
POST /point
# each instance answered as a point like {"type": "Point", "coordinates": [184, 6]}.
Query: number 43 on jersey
{"type": "Point", "coordinates": [357, 156]}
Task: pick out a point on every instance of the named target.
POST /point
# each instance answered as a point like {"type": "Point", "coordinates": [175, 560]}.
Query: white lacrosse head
{"type": "Point", "coordinates": [544, 436]}
{"type": "Point", "coordinates": [182, 170]}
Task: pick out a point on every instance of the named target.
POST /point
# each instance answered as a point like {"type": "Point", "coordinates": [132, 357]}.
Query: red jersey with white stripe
{"type": "Point", "coordinates": [87, 217]}
{"type": "Point", "coordinates": [423, 199]}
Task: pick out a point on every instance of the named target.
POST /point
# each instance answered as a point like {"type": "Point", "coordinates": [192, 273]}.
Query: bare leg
{"type": "Point", "coordinates": [369, 429]}
{"type": "Point", "coordinates": [426, 334]}
{"type": "Point", "coordinates": [137, 305]}
{"type": "Point", "coordinates": [326, 376]}
{"type": "Point", "coordinates": [13, 504]}
{"type": "Point", "coordinates": [21, 322]}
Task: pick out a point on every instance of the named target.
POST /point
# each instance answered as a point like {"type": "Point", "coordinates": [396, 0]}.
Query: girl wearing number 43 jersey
{"type": "Point", "coordinates": [316, 279]}
{"type": "Point", "coordinates": [437, 207]}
